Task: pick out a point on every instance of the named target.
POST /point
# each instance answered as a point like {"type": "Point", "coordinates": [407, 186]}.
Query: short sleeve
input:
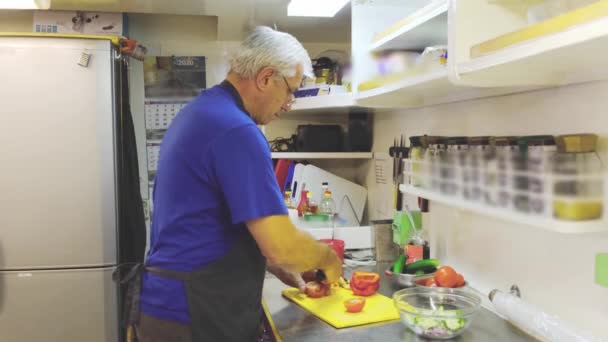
{"type": "Point", "coordinates": [242, 167]}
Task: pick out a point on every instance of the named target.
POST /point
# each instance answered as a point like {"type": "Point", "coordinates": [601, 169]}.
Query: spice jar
{"type": "Point", "coordinates": [453, 174]}
{"type": "Point", "coordinates": [434, 158]}
{"type": "Point", "coordinates": [533, 164]}
{"type": "Point", "coordinates": [474, 167]}
{"type": "Point", "coordinates": [416, 154]}
{"type": "Point", "coordinates": [498, 180]}
{"type": "Point", "coordinates": [579, 182]}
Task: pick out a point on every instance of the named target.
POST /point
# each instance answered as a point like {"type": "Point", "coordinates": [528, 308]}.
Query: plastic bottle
{"type": "Point", "coordinates": [312, 205]}
{"type": "Point", "coordinates": [287, 198]}
{"type": "Point", "coordinates": [327, 205]}
{"type": "Point", "coordinates": [324, 188]}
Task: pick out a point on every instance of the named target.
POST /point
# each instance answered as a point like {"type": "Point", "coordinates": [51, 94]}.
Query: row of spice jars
{"type": "Point", "coordinates": [540, 174]}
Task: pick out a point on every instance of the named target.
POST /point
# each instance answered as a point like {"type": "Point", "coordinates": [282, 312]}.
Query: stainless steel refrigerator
{"type": "Point", "coordinates": [58, 190]}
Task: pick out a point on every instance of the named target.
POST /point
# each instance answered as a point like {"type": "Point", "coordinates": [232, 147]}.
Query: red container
{"type": "Point", "coordinates": [337, 245]}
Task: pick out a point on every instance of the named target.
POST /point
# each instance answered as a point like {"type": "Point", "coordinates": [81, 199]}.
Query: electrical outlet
{"type": "Point", "coordinates": [601, 269]}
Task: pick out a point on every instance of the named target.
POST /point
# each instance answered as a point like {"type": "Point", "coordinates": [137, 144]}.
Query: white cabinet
{"type": "Point", "coordinates": [421, 25]}
{"type": "Point", "coordinates": [494, 43]}
{"type": "Point", "coordinates": [492, 49]}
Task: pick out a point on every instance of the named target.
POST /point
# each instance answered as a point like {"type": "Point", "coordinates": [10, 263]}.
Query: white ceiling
{"type": "Point", "coordinates": [234, 16]}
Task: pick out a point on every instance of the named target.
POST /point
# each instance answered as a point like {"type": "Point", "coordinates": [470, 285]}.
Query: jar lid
{"type": "Point", "coordinates": [503, 141]}
{"type": "Point", "coordinates": [577, 143]}
{"type": "Point", "coordinates": [416, 141]}
{"type": "Point", "coordinates": [479, 141]}
{"type": "Point", "coordinates": [528, 141]}
{"type": "Point", "coordinates": [457, 140]}
{"type": "Point", "coordinates": [428, 140]}
{"type": "Point", "coordinates": [535, 140]}
{"type": "Point", "coordinates": [442, 140]}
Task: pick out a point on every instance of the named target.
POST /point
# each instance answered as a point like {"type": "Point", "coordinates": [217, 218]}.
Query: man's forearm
{"type": "Point", "coordinates": [304, 253]}
{"type": "Point", "coordinates": [286, 246]}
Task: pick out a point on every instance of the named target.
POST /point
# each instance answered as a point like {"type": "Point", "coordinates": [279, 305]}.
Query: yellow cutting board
{"type": "Point", "coordinates": [378, 308]}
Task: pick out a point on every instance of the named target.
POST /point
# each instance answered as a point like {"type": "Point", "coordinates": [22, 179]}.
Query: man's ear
{"type": "Point", "coordinates": [263, 78]}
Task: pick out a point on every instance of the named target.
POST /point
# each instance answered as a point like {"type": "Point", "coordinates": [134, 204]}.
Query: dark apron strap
{"type": "Point", "coordinates": [133, 279]}
{"type": "Point", "coordinates": [177, 275]}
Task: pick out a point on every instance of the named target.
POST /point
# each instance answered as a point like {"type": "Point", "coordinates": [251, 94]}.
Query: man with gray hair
{"type": "Point", "coordinates": [219, 218]}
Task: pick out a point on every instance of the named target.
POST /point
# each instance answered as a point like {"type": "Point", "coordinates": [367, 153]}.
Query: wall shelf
{"type": "Point", "coordinates": [337, 103]}
{"type": "Point", "coordinates": [559, 226]}
{"type": "Point", "coordinates": [322, 155]}
{"type": "Point", "coordinates": [425, 27]}
{"type": "Point", "coordinates": [561, 50]}
{"type": "Point", "coordinates": [422, 90]}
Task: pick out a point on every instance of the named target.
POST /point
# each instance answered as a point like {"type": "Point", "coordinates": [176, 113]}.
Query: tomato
{"type": "Point", "coordinates": [446, 277]}
{"type": "Point", "coordinates": [354, 304]}
{"type": "Point", "coordinates": [314, 289]}
{"type": "Point", "coordinates": [430, 282]}
{"type": "Point", "coordinates": [459, 280]}
{"type": "Point", "coordinates": [365, 283]}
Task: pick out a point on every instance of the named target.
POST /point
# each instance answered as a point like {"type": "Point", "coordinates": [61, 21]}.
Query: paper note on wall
{"type": "Point", "coordinates": [380, 195]}
{"type": "Point", "coordinates": [78, 22]}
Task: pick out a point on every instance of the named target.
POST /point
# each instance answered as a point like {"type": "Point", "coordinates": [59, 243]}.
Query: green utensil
{"type": "Point", "coordinates": [399, 264]}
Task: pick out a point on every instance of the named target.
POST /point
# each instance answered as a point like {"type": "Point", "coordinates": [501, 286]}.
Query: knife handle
{"type": "Point", "coordinates": [320, 276]}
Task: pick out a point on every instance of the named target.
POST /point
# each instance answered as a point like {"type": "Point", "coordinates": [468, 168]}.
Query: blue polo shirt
{"type": "Point", "coordinates": [214, 173]}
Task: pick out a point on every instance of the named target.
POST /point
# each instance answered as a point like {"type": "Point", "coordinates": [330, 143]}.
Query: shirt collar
{"type": "Point", "coordinates": [235, 94]}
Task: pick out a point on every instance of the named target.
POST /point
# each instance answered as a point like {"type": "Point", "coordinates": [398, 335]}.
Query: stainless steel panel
{"type": "Point", "coordinates": [64, 305]}
{"type": "Point", "coordinates": [57, 178]}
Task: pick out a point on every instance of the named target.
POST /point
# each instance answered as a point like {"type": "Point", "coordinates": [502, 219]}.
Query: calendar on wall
{"type": "Point", "coordinates": [152, 150]}
{"type": "Point", "coordinates": [170, 83]}
{"type": "Point", "coordinates": [160, 113]}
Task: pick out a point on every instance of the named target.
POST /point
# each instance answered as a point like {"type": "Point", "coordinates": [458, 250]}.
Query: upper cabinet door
{"type": "Point", "coordinates": [527, 43]}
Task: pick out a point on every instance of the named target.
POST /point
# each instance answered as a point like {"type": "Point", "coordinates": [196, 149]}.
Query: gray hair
{"type": "Point", "coordinates": [266, 47]}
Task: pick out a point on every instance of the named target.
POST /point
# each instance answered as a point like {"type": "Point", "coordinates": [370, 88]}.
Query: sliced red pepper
{"type": "Point", "coordinates": [366, 278]}
{"type": "Point", "coordinates": [368, 291]}
{"type": "Point", "coordinates": [365, 283]}
{"type": "Point", "coordinates": [354, 304]}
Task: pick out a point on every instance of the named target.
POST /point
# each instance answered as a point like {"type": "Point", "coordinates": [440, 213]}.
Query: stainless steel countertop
{"type": "Point", "coordinates": [297, 325]}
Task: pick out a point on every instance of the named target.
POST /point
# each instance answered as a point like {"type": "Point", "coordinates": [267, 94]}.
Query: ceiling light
{"type": "Point", "coordinates": [25, 4]}
{"type": "Point", "coordinates": [315, 8]}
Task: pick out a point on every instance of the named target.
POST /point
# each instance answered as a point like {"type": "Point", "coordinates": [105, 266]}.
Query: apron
{"type": "Point", "coordinates": [224, 297]}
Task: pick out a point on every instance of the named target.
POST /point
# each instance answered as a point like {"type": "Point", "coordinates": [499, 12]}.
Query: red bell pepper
{"type": "Point", "coordinates": [365, 283]}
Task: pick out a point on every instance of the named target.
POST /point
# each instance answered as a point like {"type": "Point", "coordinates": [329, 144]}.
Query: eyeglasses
{"type": "Point", "coordinates": [291, 93]}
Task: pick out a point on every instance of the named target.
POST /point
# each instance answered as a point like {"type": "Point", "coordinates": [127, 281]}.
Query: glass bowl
{"type": "Point", "coordinates": [436, 312]}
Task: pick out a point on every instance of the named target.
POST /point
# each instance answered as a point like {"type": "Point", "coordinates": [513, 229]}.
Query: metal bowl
{"type": "Point", "coordinates": [407, 280]}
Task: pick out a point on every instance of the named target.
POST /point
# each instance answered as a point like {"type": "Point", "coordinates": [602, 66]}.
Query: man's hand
{"type": "Point", "coordinates": [331, 266]}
